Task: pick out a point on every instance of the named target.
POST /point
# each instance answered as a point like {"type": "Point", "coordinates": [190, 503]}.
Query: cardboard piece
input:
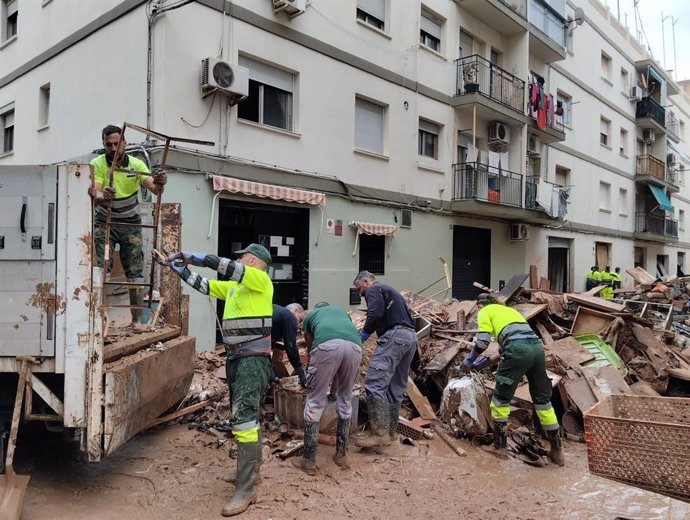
{"type": "Point", "coordinates": [569, 351]}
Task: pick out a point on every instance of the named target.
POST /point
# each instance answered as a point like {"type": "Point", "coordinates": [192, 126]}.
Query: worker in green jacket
{"type": "Point", "coordinates": [593, 278]}
{"type": "Point", "coordinates": [522, 354]}
{"type": "Point", "coordinates": [247, 321]}
{"type": "Point", "coordinates": [607, 279]}
{"type": "Point", "coordinates": [617, 280]}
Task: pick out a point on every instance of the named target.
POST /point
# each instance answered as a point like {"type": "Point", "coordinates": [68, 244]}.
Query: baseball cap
{"type": "Point", "coordinates": [258, 251]}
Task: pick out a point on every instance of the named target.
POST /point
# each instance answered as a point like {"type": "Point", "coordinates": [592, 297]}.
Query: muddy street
{"type": "Point", "coordinates": [174, 473]}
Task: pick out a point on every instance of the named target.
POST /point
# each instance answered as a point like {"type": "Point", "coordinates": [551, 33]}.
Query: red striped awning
{"type": "Point", "coordinates": [267, 191]}
{"type": "Point", "coordinates": [367, 228]}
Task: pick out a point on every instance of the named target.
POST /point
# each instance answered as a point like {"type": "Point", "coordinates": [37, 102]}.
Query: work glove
{"type": "Point", "coordinates": [468, 362]}
{"type": "Point", "coordinates": [160, 178]}
{"type": "Point", "coordinates": [364, 335]}
{"type": "Point", "coordinates": [108, 193]}
{"type": "Point", "coordinates": [187, 258]}
{"type": "Point", "coordinates": [481, 362]}
{"type": "Point", "coordinates": [175, 264]}
{"type": "Point", "coordinates": [302, 376]}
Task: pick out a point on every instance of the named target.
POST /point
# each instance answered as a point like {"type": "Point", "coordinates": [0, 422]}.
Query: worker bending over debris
{"type": "Point", "coordinates": [247, 314]}
{"type": "Point", "coordinates": [386, 380]}
{"type": "Point", "coordinates": [286, 321]}
{"type": "Point", "coordinates": [335, 352]}
{"type": "Point", "coordinates": [522, 353]}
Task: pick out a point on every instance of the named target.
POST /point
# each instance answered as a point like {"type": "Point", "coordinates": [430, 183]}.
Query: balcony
{"type": "Point", "coordinates": [547, 35]}
{"type": "Point", "coordinates": [673, 127]}
{"type": "Point", "coordinates": [652, 169]}
{"type": "Point", "coordinates": [495, 92]}
{"type": "Point", "coordinates": [650, 114]}
{"type": "Point", "coordinates": [507, 16]}
{"type": "Point", "coordinates": [553, 132]}
{"type": "Point", "coordinates": [532, 197]}
{"type": "Point", "coordinates": [650, 226]}
{"type": "Point", "coordinates": [477, 181]}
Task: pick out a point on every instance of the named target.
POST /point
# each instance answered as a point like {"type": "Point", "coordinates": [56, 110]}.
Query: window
{"type": "Point", "coordinates": [604, 196]}
{"type": "Point", "coordinates": [430, 32]}
{"type": "Point", "coordinates": [606, 66]}
{"type": "Point", "coordinates": [428, 139]}
{"type": "Point", "coordinates": [372, 12]}
{"type": "Point", "coordinates": [368, 126]}
{"type": "Point", "coordinates": [466, 44]}
{"type": "Point", "coordinates": [624, 142]}
{"type": "Point", "coordinates": [604, 132]}
{"type": "Point", "coordinates": [372, 253]}
{"type": "Point", "coordinates": [44, 106]}
{"type": "Point", "coordinates": [622, 201]}
{"type": "Point", "coordinates": [7, 125]}
{"type": "Point", "coordinates": [681, 219]}
{"type": "Point", "coordinates": [625, 82]}
{"type": "Point", "coordinates": [562, 176]}
{"type": "Point", "coordinates": [270, 95]}
{"type": "Point", "coordinates": [10, 14]}
{"type": "Point", "coordinates": [564, 103]}
{"type": "Point", "coordinates": [680, 269]}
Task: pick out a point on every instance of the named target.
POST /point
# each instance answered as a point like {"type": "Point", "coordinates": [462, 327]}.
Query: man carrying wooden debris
{"type": "Point", "coordinates": [247, 314]}
{"type": "Point", "coordinates": [522, 354]}
{"type": "Point", "coordinates": [386, 380]}
{"type": "Point", "coordinates": [335, 352]}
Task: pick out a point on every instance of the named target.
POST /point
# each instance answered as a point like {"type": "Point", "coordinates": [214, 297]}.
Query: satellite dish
{"type": "Point", "coordinates": [579, 14]}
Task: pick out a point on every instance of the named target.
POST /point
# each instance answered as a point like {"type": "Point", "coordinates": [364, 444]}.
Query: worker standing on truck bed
{"type": "Point", "coordinates": [522, 354]}
{"type": "Point", "coordinates": [247, 319]}
{"type": "Point", "coordinates": [128, 175]}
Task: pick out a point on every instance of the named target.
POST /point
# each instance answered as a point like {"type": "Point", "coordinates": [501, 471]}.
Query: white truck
{"type": "Point", "coordinates": [53, 315]}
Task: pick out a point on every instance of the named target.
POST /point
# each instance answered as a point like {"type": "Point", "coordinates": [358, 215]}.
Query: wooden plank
{"type": "Point", "coordinates": [175, 415]}
{"type": "Point", "coordinates": [596, 303]}
{"type": "Point", "coordinates": [533, 280]}
{"type": "Point", "coordinates": [590, 321]}
{"type": "Point", "coordinates": [441, 360]}
{"type": "Point", "coordinates": [513, 285]}
{"type": "Point", "coordinates": [420, 402]}
{"type": "Point", "coordinates": [452, 338]}
{"type": "Point", "coordinates": [579, 393]}
{"type": "Point", "coordinates": [170, 284]}
{"type": "Point", "coordinates": [594, 290]}
{"type": "Point", "coordinates": [140, 387]}
{"type": "Point", "coordinates": [644, 388]}
{"type": "Point", "coordinates": [130, 344]}
{"type": "Point", "coordinates": [545, 336]}
{"type": "Point", "coordinates": [605, 381]}
{"type": "Point", "coordinates": [448, 440]}
{"type": "Point", "coordinates": [544, 284]}
{"type": "Point", "coordinates": [640, 275]}
{"type": "Point", "coordinates": [569, 351]}
{"type": "Point", "coordinates": [529, 310]}
{"type": "Point", "coordinates": [679, 373]}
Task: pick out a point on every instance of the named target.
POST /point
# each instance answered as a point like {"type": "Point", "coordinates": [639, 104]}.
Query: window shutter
{"type": "Point", "coordinates": [9, 118]}
{"type": "Point", "coordinates": [12, 7]}
{"type": "Point", "coordinates": [268, 75]}
{"type": "Point", "coordinates": [427, 126]}
{"type": "Point", "coordinates": [431, 26]}
{"type": "Point", "coordinates": [368, 126]}
{"type": "Point", "coordinates": [376, 8]}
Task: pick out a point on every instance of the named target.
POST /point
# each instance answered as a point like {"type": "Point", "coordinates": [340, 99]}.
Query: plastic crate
{"type": "Point", "coordinates": [641, 441]}
{"type": "Point", "coordinates": [604, 354]}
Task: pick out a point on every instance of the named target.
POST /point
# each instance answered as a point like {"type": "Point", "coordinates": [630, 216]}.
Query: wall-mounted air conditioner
{"type": "Point", "coordinates": [293, 8]}
{"type": "Point", "coordinates": [671, 159]}
{"type": "Point", "coordinates": [225, 78]}
{"type": "Point", "coordinates": [519, 232]}
{"type": "Point", "coordinates": [533, 145]}
{"type": "Point", "coordinates": [635, 93]}
{"type": "Point", "coordinates": [499, 133]}
{"type": "Point", "coordinates": [648, 135]}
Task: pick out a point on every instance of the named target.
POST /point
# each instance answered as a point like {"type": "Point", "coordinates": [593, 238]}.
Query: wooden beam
{"type": "Point", "coordinates": [129, 345]}
{"type": "Point", "coordinates": [533, 279]}
{"type": "Point", "coordinates": [175, 415]}
{"type": "Point", "coordinates": [545, 336]}
{"type": "Point", "coordinates": [420, 402]}
{"type": "Point", "coordinates": [46, 394]}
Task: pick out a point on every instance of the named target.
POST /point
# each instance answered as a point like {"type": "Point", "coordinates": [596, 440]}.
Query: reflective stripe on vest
{"type": "Point", "coordinates": [248, 335]}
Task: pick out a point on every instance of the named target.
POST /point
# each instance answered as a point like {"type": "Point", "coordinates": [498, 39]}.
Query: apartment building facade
{"type": "Point", "coordinates": [376, 134]}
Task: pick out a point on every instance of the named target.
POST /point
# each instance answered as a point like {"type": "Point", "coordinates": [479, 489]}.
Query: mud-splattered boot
{"type": "Point", "coordinates": [341, 435]}
{"type": "Point", "coordinates": [232, 477]}
{"type": "Point", "coordinates": [245, 493]}
{"type": "Point", "coordinates": [311, 441]}
{"type": "Point", "coordinates": [500, 444]}
{"type": "Point", "coordinates": [556, 451]}
{"type": "Point", "coordinates": [135, 298]}
{"type": "Point", "coordinates": [379, 420]}
{"type": "Point", "coordinates": [393, 420]}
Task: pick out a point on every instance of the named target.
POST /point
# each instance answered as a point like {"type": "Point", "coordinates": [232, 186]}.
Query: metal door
{"type": "Point", "coordinates": [471, 260]}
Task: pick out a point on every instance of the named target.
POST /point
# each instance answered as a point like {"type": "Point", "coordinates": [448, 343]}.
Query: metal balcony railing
{"type": "Point", "coordinates": [473, 180]}
{"type": "Point", "coordinates": [531, 184]}
{"type": "Point", "coordinates": [656, 225]}
{"type": "Point", "coordinates": [673, 124]}
{"type": "Point", "coordinates": [475, 74]}
{"type": "Point", "coordinates": [650, 165]}
{"type": "Point", "coordinates": [519, 6]}
{"type": "Point", "coordinates": [648, 107]}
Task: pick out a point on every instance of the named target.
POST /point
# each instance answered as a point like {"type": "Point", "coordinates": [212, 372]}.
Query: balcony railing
{"type": "Point", "coordinates": [519, 6]}
{"type": "Point", "coordinates": [544, 18]}
{"type": "Point", "coordinates": [650, 165]}
{"type": "Point", "coordinates": [478, 75]}
{"type": "Point", "coordinates": [656, 225]}
{"type": "Point", "coordinates": [531, 184]}
{"type": "Point", "coordinates": [473, 180]}
{"type": "Point", "coordinates": [672, 124]}
{"type": "Point", "coordinates": [647, 107]}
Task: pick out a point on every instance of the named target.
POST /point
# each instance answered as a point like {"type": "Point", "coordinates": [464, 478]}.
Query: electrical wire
{"type": "Point", "coordinates": [213, 101]}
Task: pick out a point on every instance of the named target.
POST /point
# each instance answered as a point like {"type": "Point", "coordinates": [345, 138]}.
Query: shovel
{"type": "Point", "coordinates": [13, 486]}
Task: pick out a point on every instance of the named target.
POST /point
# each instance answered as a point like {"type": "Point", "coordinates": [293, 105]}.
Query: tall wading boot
{"type": "Point", "coordinates": [393, 420]}
{"type": "Point", "coordinates": [341, 435]}
{"type": "Point", "coordinates": [556, 451]}
{"type": "Point", "coordinates": [500, 444]}
{"type": "Point", "coordinates": [311, 441]}
{"type": "Point", "coordinates": [232, 477]}
{"type": "Point", "coordinates": [245, 494]}
{"type": "Point", "coordinates": [379, 419]}
{"type": "Point", "coordinates": [135, 298]}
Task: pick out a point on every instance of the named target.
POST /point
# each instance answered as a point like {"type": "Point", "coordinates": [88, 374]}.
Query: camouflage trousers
{"type": "Point", "coordinates": [131, 253]}
{"type": "Point", "coordinates": [247, 381]}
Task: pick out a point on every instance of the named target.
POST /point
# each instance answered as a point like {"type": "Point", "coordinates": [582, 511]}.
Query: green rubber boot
{"type": "Point", "coordinates": [341, 435]}
{"type": "Point", "coordinates": [500, 444]}
{"type": "Point", "coordinates": [311, 441]}
{"type": "Point", "coordinates": [245, 494]}
{"type": "Point", "coordinates": [394, 419]}
{"type": "Point", "coordinates": [379, 420]}
{"type": "Point", "coordinates": [232, 477]}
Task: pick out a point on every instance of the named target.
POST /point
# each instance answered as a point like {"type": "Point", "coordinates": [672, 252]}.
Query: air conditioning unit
{"type": "Point", "coordinates": [499, 133]}
{"type": "Point", "coordinates": [635, 93]}
{"type": "Point", "coordinates": [648, 135]}
{"type": "Point", "coordinates": [406, 218]}
{"type": "Point", "coordinates": [533, 145]}
{"type": "Point", "coordinates": [293, 8]}
{"type": "Point", "coordinates": [519, 232]}
{"type": "Point", "coordinates": [671, 159]}
{"type": "Point", "coordinates": [225, 78]}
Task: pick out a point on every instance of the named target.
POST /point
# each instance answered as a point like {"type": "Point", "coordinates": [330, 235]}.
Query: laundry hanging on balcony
{"type": "Point", "coordinates": [553, 199]}
{"type": "Point", "coordinates": [368, 228]}
{"type": "Point", "coordinates": [661, 197]}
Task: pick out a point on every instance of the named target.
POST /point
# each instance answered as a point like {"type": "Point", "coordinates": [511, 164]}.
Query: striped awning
{"type": "Point", "coordinates": [268, 191]}
{"type": "Point", "coordinates": [367, 228]}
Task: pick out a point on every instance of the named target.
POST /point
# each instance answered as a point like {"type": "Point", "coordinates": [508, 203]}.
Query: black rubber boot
{"type": "Point", "coordinates": [135, 298]}
{"type": "Point", "coordinates": [245, 494]}
{"type": "Point", "coordinates": [556, 451]}
{"type": "Point", "coordinates": [379, 419]}
{"type": "Point", "coordinates": [232, 477]}
{"type": "Point", "coordinates": [500, 444]}
{"type": "Point", "coordinates": [341, 435]}
{"type": "Point", "coordinates": [311, 441]}
{"type": "Point", "coordinates": [393, 420]}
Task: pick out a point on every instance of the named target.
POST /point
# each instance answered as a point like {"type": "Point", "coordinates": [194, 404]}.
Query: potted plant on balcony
{"type": "Point", "coordinates": [469, 75]}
